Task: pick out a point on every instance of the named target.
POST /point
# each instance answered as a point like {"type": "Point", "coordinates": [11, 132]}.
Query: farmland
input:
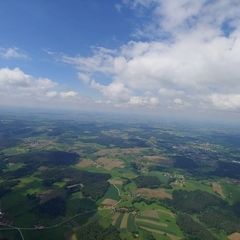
{"type": "Point", "coordinates": [62, 178]}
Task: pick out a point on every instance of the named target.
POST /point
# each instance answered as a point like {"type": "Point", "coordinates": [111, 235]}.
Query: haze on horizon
{"type": "Point", "coordinates": [176, 57]}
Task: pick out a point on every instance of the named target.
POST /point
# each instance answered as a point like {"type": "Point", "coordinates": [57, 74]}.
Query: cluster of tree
{"type": "Point", "coordinates": [95, 190]}
{"type": "Point", "coordinates": [94, 231]}
{"type": "Point", "coordinates": [221, 219]}
{"type": "Point", "coordinates": [33, 160]}
{"type": "Point", "coordinates": [194, 201]}
{"type": "Point", "coordinates": [236, 208]}
{"type": "Point", "coordinates": [211, 210]}
{"type": "Point", "coordinates": [3, 164]}
{"type": "Point", "coordinates": [186, 163]}
{"type": "Point", "coordinates": [147, 182]}
{"type": "Point", "coordinates": [192, 229]}
{"type": "Point", "coordinates": [228, 169]}
{"type": "Point", "coordinates": [6, 187]}
{"type": "Point", "coordinates": [7, 141]}
{"type": "Point", "coordinates": [94, 184]}
{"type": "Point", "coordinates": [54, 207]}
{"type": "Point", "coordinates": [20, 172]}
{"type": "Point", "coordinates": [46, 158]}
{"type": "Point", "coordinates": [86, 204]}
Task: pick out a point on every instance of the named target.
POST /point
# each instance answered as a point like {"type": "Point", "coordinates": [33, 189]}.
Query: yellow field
{"type": "Point", "coordinates": [217, 188]}
{"type": "Point", "coordinates": [151, 213]}
{"type": "Point", "coordinates": [85, 163]}
{"type": "Point", "coordinates": [124, 221]}
{"type": "Point", "coordinates": [109, 202]}
{"type": "Point", "coordinates": [141, 220]}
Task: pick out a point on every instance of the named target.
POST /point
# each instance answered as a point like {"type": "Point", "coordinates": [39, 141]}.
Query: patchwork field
{"type": "Point", "coordinates": [159, 226]}
{"type": "Point", "coordinates": [80, 180]}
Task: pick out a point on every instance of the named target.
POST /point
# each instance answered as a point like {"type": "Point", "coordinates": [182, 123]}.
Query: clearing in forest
{"type": "Point", "coordinates": [108, 203]}
{"type": "Point", "coordinates": [86, 163]}
{"type": "Point", "coordinates": [217, 188]}
{"type": "Point", "coordinates": [153, 193]}
{"type": "Point", "coordinates": [234, 236]}
{"type": "Point", "coordinates": [109, 164]}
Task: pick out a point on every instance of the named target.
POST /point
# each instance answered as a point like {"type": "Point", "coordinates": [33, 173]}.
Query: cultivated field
{"type": "Point", "coordinates": [159, 193]}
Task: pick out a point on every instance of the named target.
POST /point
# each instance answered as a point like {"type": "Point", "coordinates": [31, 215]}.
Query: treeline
{"type": "Point", "coordinates": [228, 169]}
{"type": "Point", "coordinates": [33, 160]}
{"type": "Point", "coordinates": [147, 182]}
{"type": "Point", "coordinates": [6, 187]}
{"type": "Point", "coordinates": [54, 207]}
{"type": "Point", "coordinates": [186, 163]}
{"type": "Point", "coordinates": [210, 210]}
{"type": "Point", "coordinates": [193, 229]}
{"type": "Point", "coordinates": [46, 158]}
{"type": "Point", "coordinates": [194, 201]}
{"type": "Point", "coordinates": [221, 219]}
{"type": "Point", "coordinates": [94, 231]}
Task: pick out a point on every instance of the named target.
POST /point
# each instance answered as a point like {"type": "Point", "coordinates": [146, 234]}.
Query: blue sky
{"type": "Point", "coordinates": [123, 55]}
{"type": "Point", "coordinates": [60, 26]}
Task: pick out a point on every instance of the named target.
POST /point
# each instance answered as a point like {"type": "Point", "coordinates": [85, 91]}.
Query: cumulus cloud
{"type": "Point", "coordinates": [68, 94]}
{"type": "Point", "coordinates": [12, 53]}
{"type": "Point", "coordinates": [19, 88]}
{"type": "Point", "coordinates": [191, 58]}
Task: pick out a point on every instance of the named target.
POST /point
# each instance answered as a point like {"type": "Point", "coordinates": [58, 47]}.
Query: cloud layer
{"type": "Point", "coordinates": [191, 58]}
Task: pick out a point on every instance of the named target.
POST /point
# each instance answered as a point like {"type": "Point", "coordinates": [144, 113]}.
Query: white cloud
{"type": "Point", "coordinates": [18, 88]}
{"type": "Point", "coordinates": [84, 77]}
{"type": "Point", "coordinates": [68, 94]}
{"type": "Point", "coordinates": [113, 91]}
{"type": "Point", "coordinates": [192, 58]}
{"type": "Point", "coordinates": [12, 53]}
{"type": "Point", "coordinates": [178, 101]}
{"type": "Point", "coordinates": [143, 101]}
{"type": "Point", "coordinates": [226, 101]}
{"type": "Point", "coordinates": [16, 79]}
{"type": "Point", "coordinates": [52, 94]}
{"type": "Point", "coordinates": [173, 17]}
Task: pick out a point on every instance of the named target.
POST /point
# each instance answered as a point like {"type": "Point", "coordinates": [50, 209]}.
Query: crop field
{"type": "Point", "coordinates": [79, 181]}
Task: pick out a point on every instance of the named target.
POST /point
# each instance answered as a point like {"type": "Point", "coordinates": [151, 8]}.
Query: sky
{"type": "Point", "coordinates": [149, 56]}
